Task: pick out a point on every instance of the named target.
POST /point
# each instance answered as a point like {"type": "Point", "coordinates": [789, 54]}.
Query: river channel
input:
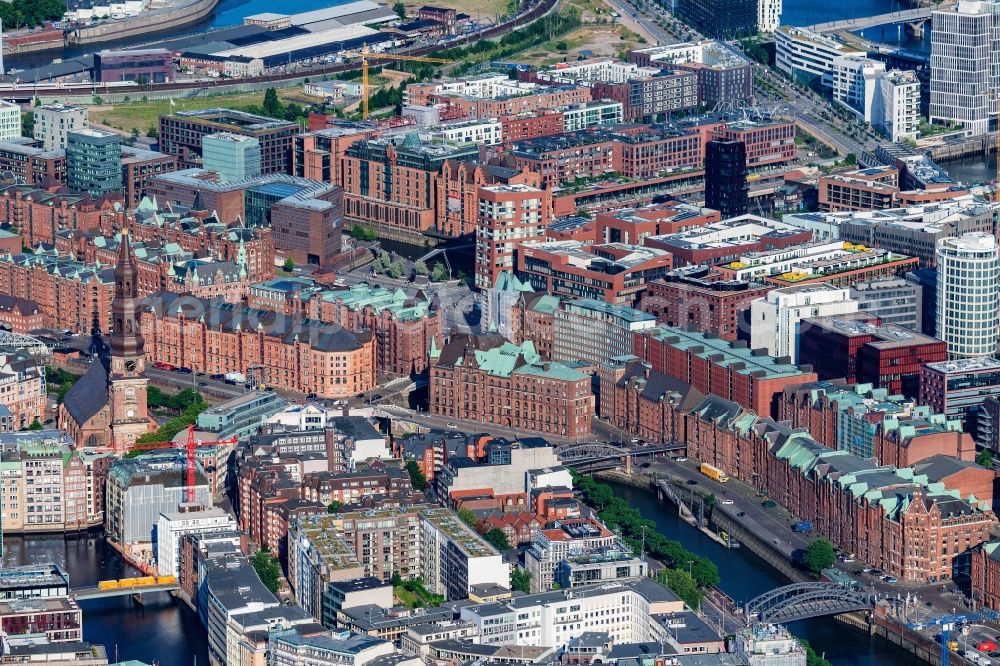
{"type": "Point", "coordinates": [165, 631]}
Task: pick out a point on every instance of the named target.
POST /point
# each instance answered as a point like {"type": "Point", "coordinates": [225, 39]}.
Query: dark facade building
{"type": "Point", "coordinates": [30, 163]}
{"type": "Point", "coordinates": [141, 65]}
{"type": "Point", "coordinates": [720, 18]}
{"type": "Point", "coordinates": [94, 161]}
{"type": "Point", "coordinates": [958, 389]}
{"type": "Point", "coordinates": [309, 230]}
{"type": "Point", "coordinates": [138, 166]}
{"type": "Point", "coordinates": [181, 134]}
{"type": "Point", "coordinates": [857, 348]}
{"type": "Point", "coordinates": [726, 177]}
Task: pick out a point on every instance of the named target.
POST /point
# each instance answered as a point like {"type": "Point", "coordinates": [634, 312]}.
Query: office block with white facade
{"type": "Point", "coordinates": [172, 526]}
{"type": "Point", "coordinates": [775, 318]}
{"type": "Point", "coordinates": [962, 78]}
{"type": "Point", "coordinates": [10, 120]}
{"type": "Point", "coordinates": [808, 55]}
{"type": "Point", "coordinates": [855, 84]}
{"type": "Point", "coordinates": [54, 121]}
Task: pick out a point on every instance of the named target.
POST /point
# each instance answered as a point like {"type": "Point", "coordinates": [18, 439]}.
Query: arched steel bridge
{"type": "Point", "coordinates": [11, 340]}
{"type": "Point", "coordinates": [587, 452]}
{"type": "Point", "coordinates": [801, 601]}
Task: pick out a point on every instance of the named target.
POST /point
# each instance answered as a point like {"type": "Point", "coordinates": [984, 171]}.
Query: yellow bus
{"type": "Point", "coordinates": [713, 472]}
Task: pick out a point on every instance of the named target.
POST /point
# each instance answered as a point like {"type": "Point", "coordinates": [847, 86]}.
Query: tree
{"type": "Point", "coordinates": [400, 9]}
{"type": "Point", "coordinates": [420, 267]}
{"type": "Point", "coordinates": [851, 159]}
{"type": "Point", "coordinates": [417, 478]}
{"type": "Point", "coordinates": [985, 458]}
{"type": "Point", "coordinates": [267, 569]}
{"type": "Point", "coordinates": [439, 272]}
{"type": "Point", "coordinates": [153, 132]}
{"type": "Point", "coordinates": [819, 555]}
{"type": "Point", "coordinates": [35, 425]}
{"type": "Point", "coordinates": [272, 106]}
{"type": "Point", "coordinates": [292, 112]}
{"type": "Point", "coordinates": [28, 124]}
{"type": "Point", "coordinates": [682, 584]}
{"type": "Point", "coordinates": [496, 538]}
{"type": "Point", "coordinates": [520, 580]}
{"type": "Point", "coordinates": [468, 517]}
{"type": "Point", "coordinates": [396, 270]}
{"type": "Point", "coordinates": [813, 659]}
{"type": "Point", "coordinates": [710, 500]}
{"type": "Point", "coordinates": [334, 507]}
{"type": "Point", "coordinates": [98, 100]}
{"type": "Point", "coordinates": [289, 265]}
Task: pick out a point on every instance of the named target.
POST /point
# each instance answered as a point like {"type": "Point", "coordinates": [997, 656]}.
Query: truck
{"type": "Point", "coordinates": [802, 526]}
{"type": "Point", "coordinates": [713, 472]}
{"type": "Point", "coordinates": [235, 378]}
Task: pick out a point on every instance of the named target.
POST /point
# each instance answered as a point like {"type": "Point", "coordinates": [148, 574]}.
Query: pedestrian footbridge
{"type": "Point", "coordinates": [801, 601]}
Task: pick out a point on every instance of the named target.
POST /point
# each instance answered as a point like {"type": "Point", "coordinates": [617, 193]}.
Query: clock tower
{"type": "Point", "coordinates": [126, 372]}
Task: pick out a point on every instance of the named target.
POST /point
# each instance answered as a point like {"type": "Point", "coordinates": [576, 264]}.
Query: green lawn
{"type": "Point", "coordinates": [143, 115]}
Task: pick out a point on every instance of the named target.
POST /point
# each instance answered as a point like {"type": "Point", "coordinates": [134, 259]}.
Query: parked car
{"type": "Point", "coordinates": [727, 502]}
{"type": "Point", "coordinates": [680, 459]}
{"type": "Point", "coordinates": [692, 482]}
{"type": "Point", "coordinates": [452, 425]}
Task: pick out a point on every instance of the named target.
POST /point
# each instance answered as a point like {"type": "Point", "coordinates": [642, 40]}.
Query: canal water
{"type": "Point", "coordinates": [167, 632]}
{"type": "Point", "coordinates": [162, 630]}
{"type": "Point", "coordinates": [745, 576]}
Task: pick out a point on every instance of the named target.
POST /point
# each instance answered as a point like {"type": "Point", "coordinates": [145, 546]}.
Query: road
{"type": "Point", "coordinates": [631, 14]}
{"type": "Point", "coordinates": [809, 108]}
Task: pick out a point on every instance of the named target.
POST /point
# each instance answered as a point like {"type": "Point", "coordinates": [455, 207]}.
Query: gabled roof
{"type": "Point", "coordinates": [89, 394]}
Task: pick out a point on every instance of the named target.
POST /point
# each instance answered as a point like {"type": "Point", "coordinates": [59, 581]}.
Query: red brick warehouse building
{"type": "Point", "coordinates": [697, 298]}
{"type": "Point", "coordinates": [490, 380]}
{"type": "Point", "coordinates": [727, 369]}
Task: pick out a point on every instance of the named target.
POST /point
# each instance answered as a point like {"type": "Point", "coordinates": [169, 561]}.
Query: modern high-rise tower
{"type": "Point", "coordinates": [968, 294]}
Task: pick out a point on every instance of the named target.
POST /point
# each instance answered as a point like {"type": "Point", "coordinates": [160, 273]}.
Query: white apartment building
{"type": "Point", "coordinates": [54, 121]}
{"type": "Point", "coordinates": [775, 318]}
{"type": "Point", "coordinates": [855, 84]}
{"type": "Point", "coordinates": [454, 557]}
{"type": "Point", "coordinates": [768, 15]}
{"type": "Point", "coordinates": [573, 536]}
{"type": "Point", "coordinates": [968, 295]}
{"type": "Point", "coordinates": [10, 120]}
{"type": "Point", "coordinates": [897, 105]}
{"type": "Point", "coordinates": [962, 79]}
{"type": "Point", "coordinates": [808, 55]}
{"type": "Point", "coordinates": [488, 86]}
{"type": "Point", "coordinates": [171, 528]}
{"type": "Point", "coordinates": [591, 114]}
{"type": "Point", "coordinates": [598, 70]}
{"type": "Point", "coordinates": [483, 131]}
{"type": "Point", "coordinates": [549, 619]}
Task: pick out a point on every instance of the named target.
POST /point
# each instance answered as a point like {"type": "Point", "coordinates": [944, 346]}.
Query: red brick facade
{"type": "Point", "coordinates": [533, 396]}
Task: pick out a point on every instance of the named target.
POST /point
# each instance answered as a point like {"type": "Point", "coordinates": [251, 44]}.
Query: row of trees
{"type": "Point", "coordinates": [29, 13]}
{"type": "Point", "coordinates": [539, 32]}
{"type": "Point", "coordinates": [190, 406]}
{"type": "Point", "coordinates": [686, 572]}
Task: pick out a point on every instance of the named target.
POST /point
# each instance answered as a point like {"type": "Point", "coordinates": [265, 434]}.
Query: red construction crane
{"type": "Point", "coordinates": [190, 449]}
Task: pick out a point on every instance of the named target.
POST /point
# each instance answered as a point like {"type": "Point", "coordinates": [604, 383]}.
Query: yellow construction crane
{"type": "Point", "coordinates": [366, 55]}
